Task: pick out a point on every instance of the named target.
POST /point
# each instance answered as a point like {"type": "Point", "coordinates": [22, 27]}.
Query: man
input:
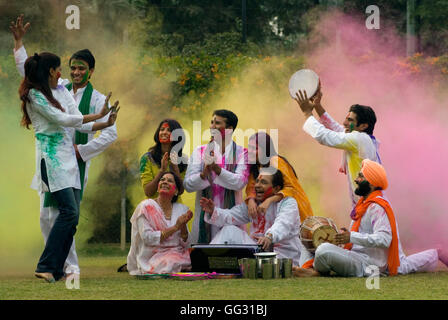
{"type": "Point", "coordinates": [373, 238]}
{"type": "Point", "coordinates": [355, 136]}
{"type": "Point", "coordinates": [217, 171]}
{"type": "Point", "coordinates": [279, 226]}
{"type": "Point", "coordinates": [88, 100]}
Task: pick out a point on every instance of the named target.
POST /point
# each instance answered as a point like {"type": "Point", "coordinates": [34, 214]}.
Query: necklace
{"type": "Point", "coordinates": [167, 212]}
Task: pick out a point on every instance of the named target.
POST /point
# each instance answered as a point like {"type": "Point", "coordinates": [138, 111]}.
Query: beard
{"type": "Point", "coordinates": [363, 188]}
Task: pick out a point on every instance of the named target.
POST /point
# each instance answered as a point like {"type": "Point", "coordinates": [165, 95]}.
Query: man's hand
{"type": "Point", "coordinates": [317, 96]}
{"type": "Point", "coordinates": [216, 168]}
{"type": "Point", "coordinates": [78, 155]}
{"type": "Point", "coordinates": [265, 242]}
{"type": "Point", "coordinates": [19, 30]}
{"type": "Point", "coordinates": [207, 205]}
{"type": "Point", "coordinates": [342, 238]}
{"type": "Point", "coordinates": [206, 172]}
{"type": "Point", "coordinates": [304, 103]}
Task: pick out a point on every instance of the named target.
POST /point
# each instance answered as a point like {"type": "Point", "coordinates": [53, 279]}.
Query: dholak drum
{"type": "Point", "coordinates": [316, 230]}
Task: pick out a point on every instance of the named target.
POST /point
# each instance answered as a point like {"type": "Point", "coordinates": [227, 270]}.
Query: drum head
{"type": "Point", "coordinates": [323, 234]}
{"type": "Point", "coordinates": [304, 79]}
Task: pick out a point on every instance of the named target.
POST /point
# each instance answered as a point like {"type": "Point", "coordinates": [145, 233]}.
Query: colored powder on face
{"type": "Point", "coordinates": [351, 126]}
{"type": "Point", "coordinates": [165, 140]}
{"type": "Point", "coordinates": [267, 193]}
{"type": "Point", "coordinates": [85, 78]}
{"type": "Point", "coordinates": [169, 192]}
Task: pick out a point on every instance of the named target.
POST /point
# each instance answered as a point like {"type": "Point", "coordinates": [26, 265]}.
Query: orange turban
{"type": "Point", "coordinates": [374, 173]}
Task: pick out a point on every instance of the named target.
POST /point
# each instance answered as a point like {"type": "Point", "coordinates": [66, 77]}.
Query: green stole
{"type": "Point", "coordinates": [229, 200]}
{"type": "Point", "coordinates": [80, 138]}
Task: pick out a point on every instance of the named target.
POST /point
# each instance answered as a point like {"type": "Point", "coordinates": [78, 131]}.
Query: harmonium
{"type": "Point", "coordinates": [221, 258]}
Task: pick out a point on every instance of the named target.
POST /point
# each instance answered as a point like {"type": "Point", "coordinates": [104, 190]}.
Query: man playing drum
{"type": "Point", "coordinates": [373, 238]}
{"type": "Point", "coordinates": [279, 226]}
{"type": "Point", "coordinates": [355, 136]}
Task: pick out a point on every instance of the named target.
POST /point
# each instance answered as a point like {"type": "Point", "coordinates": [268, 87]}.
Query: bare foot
{"type": "Point", "coordinates": [443, 256]}
{"type": "Point", "coordinates": [302, 272]}
{"type": "Point", "coordinates": [46, 276]}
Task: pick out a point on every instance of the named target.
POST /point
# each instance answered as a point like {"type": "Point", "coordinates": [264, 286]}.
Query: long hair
{"type": "Point", "coordinates": [37, 73]}
{"type": "Point", "coordinates": [156, 150]}
{"type": "Point", "coordinates": [266, 147]}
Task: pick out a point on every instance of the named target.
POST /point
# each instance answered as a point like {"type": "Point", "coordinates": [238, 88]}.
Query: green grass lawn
{"type": "Point", "coordinates": [99, 280]}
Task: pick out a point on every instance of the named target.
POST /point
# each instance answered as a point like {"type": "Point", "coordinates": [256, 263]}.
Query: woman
{"type": "Point", "coordinates": [159, 236]}
{"type": "Point", "coordinates": [170, 139]}
{"type": "Point", "coordinates": [262, 153]}
{"type": "Point", "coordinates": [52, 112]}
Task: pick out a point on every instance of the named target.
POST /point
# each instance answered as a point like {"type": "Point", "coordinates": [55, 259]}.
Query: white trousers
{"type": "Point", "coordinates": [347, 263]}
{"type": "Point", "coordinates": [47, 218]}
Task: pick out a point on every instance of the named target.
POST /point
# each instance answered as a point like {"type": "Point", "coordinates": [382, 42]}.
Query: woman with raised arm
{"type": "Point", "coordinates": [53, 114]}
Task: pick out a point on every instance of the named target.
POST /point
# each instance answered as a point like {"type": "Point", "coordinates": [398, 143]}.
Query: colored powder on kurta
{"type": "Point", "coordinates": [48, 144]}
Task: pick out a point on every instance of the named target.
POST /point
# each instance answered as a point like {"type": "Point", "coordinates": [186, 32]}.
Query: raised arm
{"type": "Point", "coordinates": [18, 31]}
{"type": "Point", "coordinates": [237, 215]}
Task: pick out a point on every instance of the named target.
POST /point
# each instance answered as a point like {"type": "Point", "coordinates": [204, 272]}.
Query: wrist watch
{"type": "Point", "coordinates": [269, 236]}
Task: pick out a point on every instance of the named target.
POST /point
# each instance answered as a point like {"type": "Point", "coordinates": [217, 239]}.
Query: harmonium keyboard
{"type": "Point", "coordinates": [221, 258]}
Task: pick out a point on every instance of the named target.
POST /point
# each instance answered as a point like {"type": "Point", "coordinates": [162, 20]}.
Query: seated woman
{"type": "Point", "coordinates": [165, 155]}
{"type": "Point", "coordinates": [159, 236]}
{"type": "Point", "coordinates": [262, 153]}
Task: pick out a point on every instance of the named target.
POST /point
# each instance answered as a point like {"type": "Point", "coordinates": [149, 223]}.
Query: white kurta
{"type": "Point", "coordinates": [282, 220]}
{"type": "Point", "coordinates": [54, 140]}
{"type": "Point", "coordinates": [92, 148]}
{"type": "Point", "coordinates": [370, 247]}
{"type": "Point", "coordinates": [147, 254]}
{"type": "Point", "coordinates": [357, 146]}
{"type": "Point", "coordinates": [226, 180]}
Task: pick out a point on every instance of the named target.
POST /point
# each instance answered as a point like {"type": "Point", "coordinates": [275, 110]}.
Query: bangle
{"type": "Point", "coordinates": [162, 235]}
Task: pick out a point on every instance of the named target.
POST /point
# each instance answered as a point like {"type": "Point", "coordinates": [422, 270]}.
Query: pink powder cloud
{"type": "Point", "coordinates": [357, 65]}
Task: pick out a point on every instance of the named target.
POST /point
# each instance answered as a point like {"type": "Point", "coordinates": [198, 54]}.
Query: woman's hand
{"type": "Point", "coordinates": [113, 114]}
{"type": "Point", "coordinates": [252, 208]}
{"type": "Point", "coordinates": [18, 29]}
{"type": "Point", "coordinates": [183, 219]}
{"type": "Point", "coordinates": [164, 162]}
{"type": "Point", "coordinates": [263, 207]}
{"type": "Point", "coordinates": [174, 165]}
{"type": "Point", "coordinates": [105, 110]}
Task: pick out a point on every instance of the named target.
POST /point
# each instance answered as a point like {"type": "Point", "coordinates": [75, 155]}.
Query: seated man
{"type": "Point", "coordinates": [373, 239]}
{"type": "Point", "coordinates": [278, 226]}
